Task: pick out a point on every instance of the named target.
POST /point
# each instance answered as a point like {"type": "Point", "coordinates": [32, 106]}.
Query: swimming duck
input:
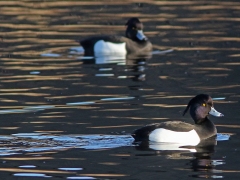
{"type": "Point", "coordinates": [134, 42]}
{"type": "Point", "coordinates": [180, 132]}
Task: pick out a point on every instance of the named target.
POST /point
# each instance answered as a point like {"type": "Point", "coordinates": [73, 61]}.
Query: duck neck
{"type": "Point", "coordinates": [205, 128]}
{"type": "Point", "coordinates": [204, 121]}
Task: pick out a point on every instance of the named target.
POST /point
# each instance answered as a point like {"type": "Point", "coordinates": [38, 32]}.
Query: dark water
{"type": "Point", "coordinates": [65, 117]}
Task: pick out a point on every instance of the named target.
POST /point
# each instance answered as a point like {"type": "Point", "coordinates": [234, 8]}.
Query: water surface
{"type": "Point", "coordinates": [65, 116]}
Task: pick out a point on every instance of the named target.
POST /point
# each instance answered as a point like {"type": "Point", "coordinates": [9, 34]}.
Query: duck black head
{"type": "Point", "coordinates": [200, 106]}
{"type": "Point", "coordinates": [134, 30]}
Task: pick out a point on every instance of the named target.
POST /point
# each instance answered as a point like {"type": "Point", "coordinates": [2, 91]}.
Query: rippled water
{"type": "Point", "coordinates": [37, 142]}
{"type": "Point", "coordinates": [66, 116]}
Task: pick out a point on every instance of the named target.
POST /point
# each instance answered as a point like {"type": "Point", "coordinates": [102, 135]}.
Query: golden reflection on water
{"type": "Point", "coordinates": [32, 170]}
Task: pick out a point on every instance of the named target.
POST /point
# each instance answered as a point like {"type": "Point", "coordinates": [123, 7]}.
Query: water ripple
{"type": "Point", "coordinates": [37, 142]}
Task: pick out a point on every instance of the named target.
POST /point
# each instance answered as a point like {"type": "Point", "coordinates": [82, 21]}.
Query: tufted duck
{"type": "Point", "coordinates": [134, 42]}
{"type": "Point", "coordinates": [180, 132]}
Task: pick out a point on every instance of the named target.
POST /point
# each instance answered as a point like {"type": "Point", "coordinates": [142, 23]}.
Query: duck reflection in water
{"type": "Point", "coordinates": [199, 157]}
{"type": "Point", "coordinates": [121, 67]}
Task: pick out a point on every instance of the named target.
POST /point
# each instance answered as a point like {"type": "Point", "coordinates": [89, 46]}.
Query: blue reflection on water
{"type": "Point", "coordinates": [222, 137]}
{"type": "Point", "coordinates": [44, 107]}
{"type": "Point", "coordinates": [27, 166]}
{"type": "Point", "coordinates": [70, 169]}
{"type": "Point", "coordinates": [31, 175]}
{"type": "Point", "coordinates": [35, 142]}
{"type": "Point", "coordinates": [78, 177]}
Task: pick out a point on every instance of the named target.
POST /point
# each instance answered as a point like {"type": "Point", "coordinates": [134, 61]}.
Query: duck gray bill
{"type": "Point", "coordinates": [214, 112]}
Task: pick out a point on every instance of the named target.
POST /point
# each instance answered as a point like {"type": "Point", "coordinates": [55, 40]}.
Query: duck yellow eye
{"type": "Point", "coordinates": [204, 104]}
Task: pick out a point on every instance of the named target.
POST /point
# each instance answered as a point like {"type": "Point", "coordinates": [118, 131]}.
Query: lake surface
{"type": "Point", "coordinates": [65, 116]}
